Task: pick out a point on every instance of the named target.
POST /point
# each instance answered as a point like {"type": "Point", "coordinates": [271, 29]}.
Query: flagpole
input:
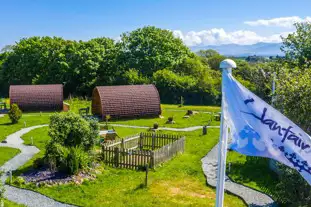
{"type": "Point", "coordinates": [226, 67]}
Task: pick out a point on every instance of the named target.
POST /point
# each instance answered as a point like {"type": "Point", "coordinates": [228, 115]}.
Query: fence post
{"type": "Point", "coordinates": [122, 143]}
{"type": "Point", "coordinates": [141, 141]}
{"type": "Point", "coordinates": [153, 141]}
{"type": "Point", "coordinates": [146, 178]}
{"type": "Point", "coordinates": [116, 157]}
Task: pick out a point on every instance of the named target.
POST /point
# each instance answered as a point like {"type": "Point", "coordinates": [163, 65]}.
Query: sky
{"type": "Point", "coordinates": [196, 22]}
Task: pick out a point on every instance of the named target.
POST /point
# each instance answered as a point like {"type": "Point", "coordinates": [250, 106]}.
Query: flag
{"type": "Point", "coordinates": [257, 129]}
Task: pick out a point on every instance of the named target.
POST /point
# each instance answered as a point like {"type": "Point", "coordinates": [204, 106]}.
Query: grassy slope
{"type": "Point", "coordinates": [7, 153]}
{"type": "Point", "coordinates": [179, 182]}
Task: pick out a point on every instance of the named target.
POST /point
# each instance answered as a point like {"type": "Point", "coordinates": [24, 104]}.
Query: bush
{"type": "Point", "coordinates": [170, 119]}
{"type": "Point", "coordinates": [56, 156]}
{"type": "Point", "coordinates": [72, 130]}
{"type": "Point", "coordinates": [72, 138]}
{"type": "Point", "coordinates": [19, 181]}
{"type": "Point", "coordinates": [155, 126]}
{"type": "Point", "coordinates": [77, 159]}
{"type": "Point", "coordinates": [15, 113]}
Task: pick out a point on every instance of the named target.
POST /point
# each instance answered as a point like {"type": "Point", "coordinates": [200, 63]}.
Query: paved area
{"type": "Point", "coordinates": [21, 196]}
{"type": "Point", "coordinates": [252, 197]}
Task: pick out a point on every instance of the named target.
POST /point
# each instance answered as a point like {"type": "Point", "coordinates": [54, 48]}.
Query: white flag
{"type": "Point", "coordinates": [257, 129]}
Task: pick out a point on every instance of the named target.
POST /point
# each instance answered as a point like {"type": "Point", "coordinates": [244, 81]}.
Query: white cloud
{"type": "Point", "coordinates": [279, 22]}
{"type": "Point", "coordinates": [220, 36]}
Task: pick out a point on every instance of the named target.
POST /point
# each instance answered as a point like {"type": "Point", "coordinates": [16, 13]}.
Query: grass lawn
{"type": "Point", "coordinates": [252, 171]}
{"type": "Point", "coordinates": [179, 182]}
{"type": "Point", "coordinates": [6, 128]}
{"type": "Point", "coordinates": [199, 119]}
{"type": "Point", "coordinates": [170, 107]}
{"type": "Point", "coordinates": [8, 203]}
{"type": "Point", "coordinates": [7, 153]}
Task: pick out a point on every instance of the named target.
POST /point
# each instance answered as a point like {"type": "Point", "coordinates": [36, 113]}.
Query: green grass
{"type": "Point", "coordinates": [77, 103]}
{"type": "Point", "coordinates": [8, 203]}
{"type": "Point", "coordinates": [7, 153]}
{"type": "Point", "coordinates": [179, 182]}
{"type": "Point", "coordinates": [169, 107]}
{"type": "Point", "coordinates": [31, 119]}
{"type": "Point", "coordinates": [199, 119]}
{"type": "Point", "coordinates": [253, 172]}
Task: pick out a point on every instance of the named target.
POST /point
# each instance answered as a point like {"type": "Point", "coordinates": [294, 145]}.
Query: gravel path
{"type": "Point", "coordinates": [188, 129]}
{"type": "Point", "coordinates": [252, 197]}
{"type": "Point", "coordinates": [17, 195]}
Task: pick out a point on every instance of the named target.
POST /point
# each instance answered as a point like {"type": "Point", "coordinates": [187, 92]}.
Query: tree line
{"type": "Point", "coordinates": [143, 56]}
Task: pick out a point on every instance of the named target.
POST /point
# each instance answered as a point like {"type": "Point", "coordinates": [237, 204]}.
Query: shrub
{"type": "Point", "coordinates": [72, 130]}
{"type": "Point", "coordinates": [155, 126]}
{"type": "Point", "coordinates": [56, 156]}
{"type": "Point", "coordinates": [72, 138]}
{"type": "Point", "coordinates": [19, 181]}
{"type": "Point", "coordinates": [77, 159]}
{"type": "Point", "coordinates": [170, 119]}
{"type": "Point", "coordinates": [15, 113]}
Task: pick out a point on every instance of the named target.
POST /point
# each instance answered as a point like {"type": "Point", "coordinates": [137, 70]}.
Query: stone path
{"type": "Point", "coordinates": [17, 195]}
{"type": "Point", "coordinates": [188, 129]}
{"type": "Point", "coordinates": [252, 197]}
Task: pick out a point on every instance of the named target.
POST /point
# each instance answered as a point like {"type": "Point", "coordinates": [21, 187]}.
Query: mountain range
{"type": "Point", "coordinates": [259, 49]}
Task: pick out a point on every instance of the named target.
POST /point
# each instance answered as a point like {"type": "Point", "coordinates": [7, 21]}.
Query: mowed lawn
{"type": "Point", "coordinates": [179, 182]}
{"type": "Point", "coordinates": [203, 117]}
{"type": "Point", "coordinates": [31, 119]}
{"type": "Point", "coordinates": [7, 153]}
{"type": "Point", "coordinates": [8, 203]}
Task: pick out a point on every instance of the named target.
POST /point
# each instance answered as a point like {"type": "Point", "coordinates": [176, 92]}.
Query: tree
{"type": "Point", "coordinates": [150, 49]}
{"type": "Point", "coordinates": [78, 65]}
{"type": "Point", "coordinates": [296, 46]}
{"type": "Point", "coordinates": [132, 76]}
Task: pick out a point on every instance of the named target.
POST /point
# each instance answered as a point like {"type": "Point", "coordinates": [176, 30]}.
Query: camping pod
{"type": "Point", "coordinates": [37, 98]}
{"type": "Point", "coordinates": [126, 101]}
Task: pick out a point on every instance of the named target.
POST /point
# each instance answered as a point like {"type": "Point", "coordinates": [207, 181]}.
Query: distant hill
{"type": "Point", "coordinates": [259, 49]}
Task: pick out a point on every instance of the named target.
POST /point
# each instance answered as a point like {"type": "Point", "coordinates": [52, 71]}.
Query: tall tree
{"type": "Point", "coordinates": [297, 46]}
{"type": "Point", "coordinates": [149, 49]}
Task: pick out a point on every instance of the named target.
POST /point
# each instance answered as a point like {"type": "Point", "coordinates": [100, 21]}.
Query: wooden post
{"type": "Point", "coordinates": [116, 157]}
{"type": "Point", "coordinates": [140, 141]}
{"type": "Point", "coordinates": [122, 143]}
{"type": "Point", "coordinates": [146, 178]}
{"type": "Point", "coordinates": [153, 141]}
{"type": "Point", "coordinates": [204, 130]}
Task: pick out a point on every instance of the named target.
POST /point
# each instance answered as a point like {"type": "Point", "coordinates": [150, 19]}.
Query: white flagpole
{"type": "Point", "coordinates": [226, 67]}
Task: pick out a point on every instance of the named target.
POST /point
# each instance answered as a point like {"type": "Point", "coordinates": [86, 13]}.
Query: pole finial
{"type": "Point", "coordinates": [227, 64]}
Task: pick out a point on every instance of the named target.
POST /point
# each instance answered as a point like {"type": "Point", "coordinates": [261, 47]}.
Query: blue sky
{"type": "Point", "coordinates": [197, 22]}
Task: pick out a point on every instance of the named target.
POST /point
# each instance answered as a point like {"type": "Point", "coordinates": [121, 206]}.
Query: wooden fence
{"type": "Point", "coordinates": [126, 158]}
{"type": "Point", "coordinates": [136, 152]}
{"type": "Point", "coordinates": [168, 151]}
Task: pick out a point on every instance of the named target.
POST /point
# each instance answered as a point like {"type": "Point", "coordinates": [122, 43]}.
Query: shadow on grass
{"type": "Point", "coordinates": [7, 124]}
{"type": "Point", "coordinates": [255, 173]}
